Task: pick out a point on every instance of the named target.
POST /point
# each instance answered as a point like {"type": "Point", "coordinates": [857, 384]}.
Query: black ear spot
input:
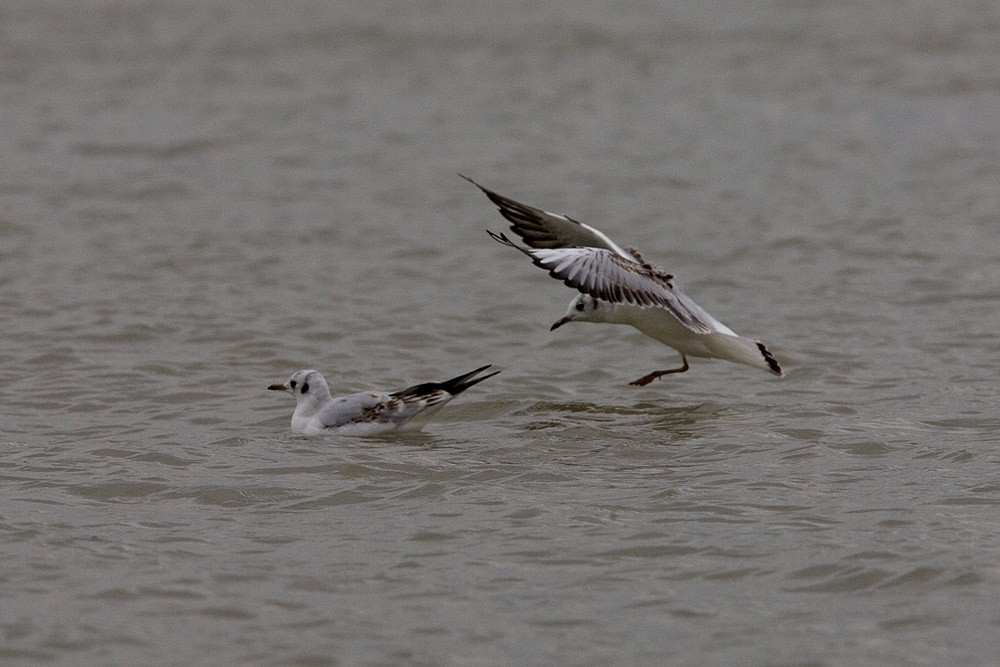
{"type": "Point", "coordinates": [292, 384]}
{"type": "Point", "coordinates": [305, 387]}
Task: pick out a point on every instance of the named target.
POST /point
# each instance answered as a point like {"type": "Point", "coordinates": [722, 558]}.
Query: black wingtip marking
{"type": "Point", "coordinates": [502, 238]}
{"type": "Point", "coordinates": [769, 358]}
{"type": "Point", "coordinates": [459, 384]}
{"type": "Point", "coordinates": [489, 193]}
{"type": "Point", "coordinates": [454, 386]}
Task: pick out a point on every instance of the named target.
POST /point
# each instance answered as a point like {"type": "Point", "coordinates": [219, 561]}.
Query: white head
{"type": "Point", "coordinates": [585, 308]}
{"type": "Point", "coordinates": [308, 387]}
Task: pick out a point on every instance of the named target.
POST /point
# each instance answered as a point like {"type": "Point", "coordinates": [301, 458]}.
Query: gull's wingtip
{"type": "Point", "coordinates": [471, 373]}
{"type": "Point", "coordinates": [480, 370]}
{"type": "Point", "coordinates": [501, 238]}
{"type": "Point", "coordinates": [472, 181]}
{"type": "Point", "coordinates": [459, 384]}
{"type": "Point", "coordinates": [454, 386]}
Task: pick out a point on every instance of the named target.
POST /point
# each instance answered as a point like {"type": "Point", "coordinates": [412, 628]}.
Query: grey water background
{"type": "Point", "coordinates": [199, 198]}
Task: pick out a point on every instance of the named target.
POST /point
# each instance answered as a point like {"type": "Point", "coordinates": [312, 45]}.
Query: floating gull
{"type": "Point", "coordinates": [618, 286]}
{"type": "Point", "coordinates": [368, 412]}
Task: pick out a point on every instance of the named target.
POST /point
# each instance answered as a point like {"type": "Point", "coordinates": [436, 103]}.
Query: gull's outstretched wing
{"type": "Point", "coordinates": [605, 275]}
{"type": "Point", "coordinates": [541, 229]}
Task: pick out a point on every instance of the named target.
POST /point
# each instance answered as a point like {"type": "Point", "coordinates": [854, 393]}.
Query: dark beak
{"type": "Point", "coordinates": [278, 387]}
{"type": "Point", "coordinates": [560, 322]}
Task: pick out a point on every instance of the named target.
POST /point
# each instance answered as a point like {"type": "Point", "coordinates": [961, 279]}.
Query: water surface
{"type": "Point", "coordinates": [200, 198]}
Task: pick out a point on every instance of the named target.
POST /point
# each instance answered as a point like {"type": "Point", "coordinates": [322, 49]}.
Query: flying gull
{"type": "Point", "coordinates": [617, 286]}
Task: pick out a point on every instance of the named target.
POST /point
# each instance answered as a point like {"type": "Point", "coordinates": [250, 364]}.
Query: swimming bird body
{"type": "Point", "coordinates": [368, 412]}
{"type": "Point", "coordinates": [618, 286]}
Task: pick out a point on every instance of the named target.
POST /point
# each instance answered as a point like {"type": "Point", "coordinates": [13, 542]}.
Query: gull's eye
{"type": "Point", "coordinates": [292, 384]}
{"type": "Point", "coordinates": [305, 387]}
{"type": "Point", "coordinates": [579, 305]}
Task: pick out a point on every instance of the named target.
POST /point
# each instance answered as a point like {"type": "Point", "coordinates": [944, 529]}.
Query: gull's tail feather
{"type": "Point", "coordinates": [738, 349]}
{"type": "Point", "coordinates": [772, 363]}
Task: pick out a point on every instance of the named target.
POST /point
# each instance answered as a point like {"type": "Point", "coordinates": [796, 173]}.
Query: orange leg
{"type": "Point", "coordinates": [646, 379]}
